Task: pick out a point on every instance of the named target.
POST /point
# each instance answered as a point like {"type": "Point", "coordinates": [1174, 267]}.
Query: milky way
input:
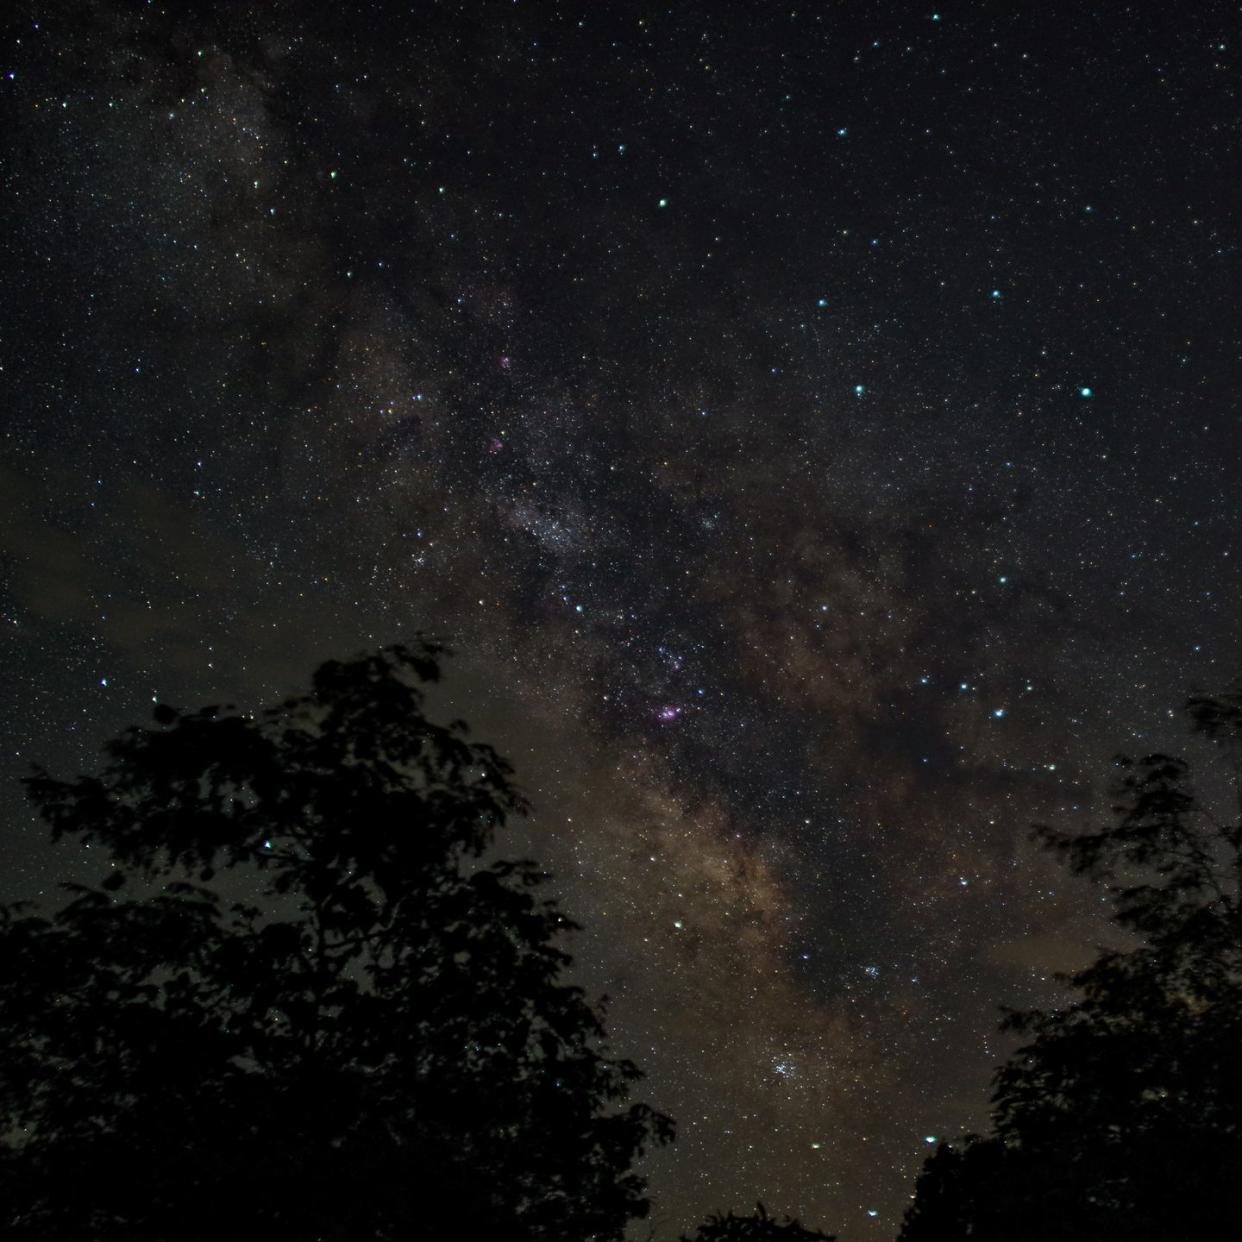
{"type": "Point", "coordinates": [814, 430]}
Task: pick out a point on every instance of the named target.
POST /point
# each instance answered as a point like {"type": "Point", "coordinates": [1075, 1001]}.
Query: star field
{"type": "Point", "coordinates": [813, 426]}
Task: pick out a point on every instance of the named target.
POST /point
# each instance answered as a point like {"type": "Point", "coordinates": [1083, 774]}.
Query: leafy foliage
{"type": "Point", "coordinates": [757, 1227]}
{"type": "Point", "coordinates": [1122, 1114]}
{"type": "Point", "coordinates": [304, 1002]}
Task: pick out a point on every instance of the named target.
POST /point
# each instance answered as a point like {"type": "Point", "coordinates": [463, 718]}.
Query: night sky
{"type": "Point", "coordinates": [814, 426]}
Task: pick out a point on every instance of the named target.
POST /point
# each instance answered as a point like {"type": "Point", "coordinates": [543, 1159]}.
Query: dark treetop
{"type": "Point", "coordinates": [375, 1045]}
{"type": "Point", "coordinates": [1121, 1116]}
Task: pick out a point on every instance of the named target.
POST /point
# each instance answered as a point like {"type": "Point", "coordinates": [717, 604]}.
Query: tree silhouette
{"type": "Point", "coordinates": [1121, 1117]}
{"type": "Point", "coordinates": [757, 1227]}
{"type": "Point", "coordinates": [305, 1003]}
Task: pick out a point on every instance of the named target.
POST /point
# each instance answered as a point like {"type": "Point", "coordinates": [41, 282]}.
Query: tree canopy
{"type": "Point", "coordinates": [757, 1226]}
{"type": "Point", "coordinates": [1121, 1116]}
{"type": "Point", "coordinates": [305, 1001]}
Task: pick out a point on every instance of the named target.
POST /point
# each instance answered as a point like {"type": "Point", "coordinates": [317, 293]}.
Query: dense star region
{"type": "Point", "coordinates": [814, 428]}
